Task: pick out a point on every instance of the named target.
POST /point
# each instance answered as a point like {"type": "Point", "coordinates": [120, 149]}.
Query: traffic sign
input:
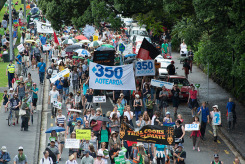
{"type": "Point", "coordinates": [121, 47]}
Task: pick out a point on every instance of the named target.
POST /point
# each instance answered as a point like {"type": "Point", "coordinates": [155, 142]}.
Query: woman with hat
{"type": "Point", "coordinates": [71, 160]}
{"type": "Point", "coordinates": [216, 160]}
{"type": "Point", "coordinates": [114, 139]}
{"type": "Point", "coordinates": [149, 105]}
{"type": "Point", "coordinates": [104, 152]}
{"type": "Point", "coordinates": [99, 159]}
{"type": "Point", "coordinates": [215, 127]}
{"type": "Point", "coordinates": [137, 105]}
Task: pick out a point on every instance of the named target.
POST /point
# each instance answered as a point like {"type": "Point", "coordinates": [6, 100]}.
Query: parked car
{"type": "Point", "coordinates": [163, 69]}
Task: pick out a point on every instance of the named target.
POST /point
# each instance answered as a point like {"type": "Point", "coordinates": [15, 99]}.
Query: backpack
{"type": "Point", "coordinates": [48, 159]}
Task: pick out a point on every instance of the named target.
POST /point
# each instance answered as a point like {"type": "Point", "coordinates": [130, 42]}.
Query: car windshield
{"type": "Point", "coordinates": [185, 82]}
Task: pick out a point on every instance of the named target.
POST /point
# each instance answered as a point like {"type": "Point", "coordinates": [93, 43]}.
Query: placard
{"type": "Point", "coordinates": [72, 143]}
{"type": "Point", "coordinates": [120, 160]}
{"type": "Point", "coordinates": [99, 99]}
{"type": "Point", "coordinates": [57, 105]}
{"type": "Point", "coordinates": [44, 27]}
{"type": "Point", "coordinates": [59, 75]}
{"type": "Point", "coordinates": [217, 118]}
{"type": "Point", "coordinates": [111, 77]}
{"type": "Point", "coordinates": [191, 127]}
{"type": "Point", "coordinates": [145, 68]}
{"type": "Point", "coordinates": [83, 134]}
{"type": "Point", "coordinates": [158, 83]}
{"type": "Point", "coordinates": [46, 47]}
{"type": "Point", "coordinates": [20, 48]}
{"type": "Point", "coordinates": [104, 57]}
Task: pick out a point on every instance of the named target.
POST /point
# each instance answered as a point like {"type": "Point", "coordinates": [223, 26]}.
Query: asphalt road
{"type": "Point", "coordinates": [208, 147]}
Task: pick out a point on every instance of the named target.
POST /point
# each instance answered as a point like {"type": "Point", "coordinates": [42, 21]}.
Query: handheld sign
{"type": "Point", "coordinates": [99, 99]}
{"type": "Point", "coordinates": [145, 68]}
{"type": "Point", "coordinates": [57, 105]}
{"type": "Point", "coordinates": [74, 110]}
{"type": "Point", "coordinates": [83, 134]}
{"type": "Point", "coordinates": [72, 143]}
{"type": "Point", "coordinates": [120, 159]}
{"type": "Point", "coordinates": [216, 118]}
{"type": "Point", "coordinates": [158, 83]}
{"type": "Point", "coordinates": [121, 47]}
{"type": "Point", "coordinates": [20, 48]}
{"type": "Point", "coordinates": [191, 127]}
{"type": "Point", "coordinates": [197, 85]}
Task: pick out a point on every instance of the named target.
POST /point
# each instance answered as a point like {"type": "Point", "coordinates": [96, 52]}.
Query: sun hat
{"type": "Point", "coordinates": [113, 132]}
{"type": "Point", "coordinates": [216, 106]}
{"type": "Point", "coordinates": [167, 113]}
{"type": "Point", "coordinates": [216, 155]}
{"type": "Point", "coordinates": [121, 94]}
{"type": "Point", "coordinates": [99, 155]}
{"type": "Point", "coordinates": [4, 149]}
{"type": "Point", "coordinates": [137, 96]}
{"type": "Point", "coordinates": [180, 145]}
{"type": "Point", "coordinates": [52, 139]}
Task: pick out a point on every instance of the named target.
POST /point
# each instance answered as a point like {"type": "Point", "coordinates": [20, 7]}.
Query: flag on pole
{"type": "Point", "coordinates": [147, 51]}
{"type": "Point", "coordinates": [56, 39]}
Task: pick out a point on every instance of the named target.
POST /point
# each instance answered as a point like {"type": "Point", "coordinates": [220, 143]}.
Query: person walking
{"type": "Point", "coordinates": [231, 114]}
{"type": "Point", "coordinates": [216, 160]}
{"type": "Point", "coordinates": [20, 158]}
{"type": "Point", "coordinates": [46, 159]}
{"type": "Point", "coordinates": [87, 159]}
{"type": "Point", "coordinates": [34, 91]}
{"type": "Point", "coordinates": [175, 98]}
{"type": "Point", "coordinates": [204, 111]}
{"type": "Point", "coordinates": [15, 104]}
{"type": "Point", "coordinates": [190, 58]}
{"type": "Point", "coordinates": [192, 100]}
{"type": "Point", "coordinates": [41, 70]}
{"type": "Point", "coordinates": [71, 160]}
{"type": "Point", "coordinates": [171, 68]}
{"type": "Point", "coordinates": [19, 62]}
{"type": "Point", "coordinates": [215, 127]}
{"type": "Point", "coordinates": [53, 98]}
{"type": "Point", "coordinates": [53, 151]}
{"type": "Point", "coordinates": [163, 96]}
{"type": "Point", "coordinates": [186, 68]}
{"type": "Point", "coordinates": [25, 117]}
{"type": "Point", "coordinates": [10, 73]}
{"type": "Point", "coordinates": [4, 155]}
{"type": "Point", "coordinates": [196, 134]}
{"type": "Point", "coordinates": [137, 106]}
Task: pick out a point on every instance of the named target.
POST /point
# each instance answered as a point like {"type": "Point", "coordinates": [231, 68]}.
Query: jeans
{"type": "Point", "coordinates": [159, 160]}
{"type": "Point", "coordinates": [10, 78]}
{"type": "Point", "coordinates": [65, 92]}
{"type": "Point", "coordinates": [203, 128]}
{"type": "Point", "coordinates": [53, 110]}
{"type": "Point", "coordinates": [41, 76]}
{"type": "Point", "coordinates": [19, 69]}
{"type": "Point", "coordinates": [144, 106]}
{"type": "Point", "coordinates": [137, 113]}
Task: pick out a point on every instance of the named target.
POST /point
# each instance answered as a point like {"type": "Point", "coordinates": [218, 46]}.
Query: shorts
{"type": "Point", "coordinates": [62, 142]}
{"type": "Point", "coordinates": [26, 58]}
{"type": "Point", "coordinates": [34, 102]}
{"type": "Point", "coordinates": [15, 114]}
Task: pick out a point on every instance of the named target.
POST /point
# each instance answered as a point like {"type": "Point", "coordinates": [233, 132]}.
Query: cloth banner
{"type": "Point", "coordinates": [83, 134]}
{"type": "Point", "coordinates": [44, 28]}
{"type": "Point", "coordinates": [145, 68]}
{"type": "Point", "coordinates": [46, 47]}
{"type": "Point", "coordinates": [72, 143]}
{"type": "Point", "coordinates": [59, 75]}
{"type": "Point", "coordinates": [149, 133]}
{"type": "Point", "coordinates": [104, 57]}
{"type": "Point", "coordinates": [111, 77]}
{"type": "Point", "coordinates": [158, 83]}
{"type": "Point", "coordinates": [217, 118]}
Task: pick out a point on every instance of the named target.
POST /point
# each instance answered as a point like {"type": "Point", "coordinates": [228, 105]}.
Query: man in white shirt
{"type": "Point", "coordinates": [53, 98]}
{"type": "Point", "coordinates": [129, 114]}
{"type": "Point", "coordinates": [115, 111]}
{"type": "Point", "coordinates": [46, 159]}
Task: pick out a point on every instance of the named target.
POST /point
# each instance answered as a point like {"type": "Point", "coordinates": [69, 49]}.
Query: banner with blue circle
{"type": "Point", "coordinates": [111, 77]}
{"type": "Point", "coordinates": [145, 68]}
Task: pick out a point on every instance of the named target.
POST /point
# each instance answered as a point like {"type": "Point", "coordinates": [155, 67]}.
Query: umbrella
{"type": "Point", "coordinates": [69, 41]}
{"type": "Point", "coordinates": [128, 61]}
{"type": "Point", "coordinates": [81, 37]}
{"type": "Point", "coordinates": [108, 45]}
{"type": "Point", "coordinates": [71, 48]}
{"type": "Point", "coordinates": [57, 129]}
{"type": "Point", "coordinates": [130, 55]}
{"type": "Point", "coordinates": [105, 49]}
{"type": "Point", "coordinates": [88, 31]}
{"type": "Point", "coordinates": [85, 41]}
{"type": "Point", "coordinates": [100, 118]}
{"type": "Point", "coordinates": [95, 44]}
{"type": "Point", "coordinates": [30, 41]}
{"type": "Point", "coordinates": [74, 57]}
{"type": "Point", "coordinates": [82, 52]}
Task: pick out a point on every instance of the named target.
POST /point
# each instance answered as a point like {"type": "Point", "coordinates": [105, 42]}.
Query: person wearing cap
{"type": "Point", "coordinates": [99, 159]}
{"type": "Point", "coordinates": [87, 159]}
{"type": "Point", "coordinates": [46, 159]}
{"type": "Point", "coordinates": [20, 158]}
{"type": "Point", "coordinates": [167, 118]}
{"type": "Point", "coordinates": [53, 150]}
{"type": "Point", "coordinates": [79, 125]}
{"type": "Point", "coordinates": [215, 127]}
{"type": "Point", "coordinates": [71, 160]}
{"type": "Point", "coordinates": [123, 100]}
{"type": "Point", "coordinates": [179, 155]}
{"type": "Point", "coordinates": [205, 118]}
{"type": "Point", "coordinates": [34, 91]}
{"type": "Point", "coordinates": [41, 70]}
{"type": "Point", "coordinates": [171, 68]}
{"type": "Point", "coordinates": [15, 104]}
{"type": "Point", "coordinates": [149, 105]}
{"type": "Point", "coordinates": [4, 155]}
{"type": "Point", "coordinates": [216, 160]}
{"type": "Point", "coordinates": [25, 116]}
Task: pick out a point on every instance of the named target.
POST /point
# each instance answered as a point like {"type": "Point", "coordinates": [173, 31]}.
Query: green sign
{"type": "Point", "coordinates": [120, 160]}
{"type": "Point", "coordinates": [106, 152]}
{"type": "Point", "coordinates": [180, 86]}
{"type": "Point", "coordinates": [197, 85]}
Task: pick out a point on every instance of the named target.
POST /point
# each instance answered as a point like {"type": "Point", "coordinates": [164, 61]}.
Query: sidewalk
{"type": "Point", "coordinates": [218, 96]}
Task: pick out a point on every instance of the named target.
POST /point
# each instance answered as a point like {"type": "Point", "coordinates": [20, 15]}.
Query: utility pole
{"type": "Point", "coordinates": [208, 83]}
{"type": "Point", "coordinates": [11, 54]}
{"type": "Point", "coordinates": [25, 9]}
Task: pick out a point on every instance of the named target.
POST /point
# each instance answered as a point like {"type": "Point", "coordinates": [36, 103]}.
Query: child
{"type": "Point", "coordinates": [167, 118]}
{"type": "Point", "coordinates": [5, 99]}
{"type": "Point", "coordinates": [33, 63]}
{"type": "Point", "coordinates": [11, 93]}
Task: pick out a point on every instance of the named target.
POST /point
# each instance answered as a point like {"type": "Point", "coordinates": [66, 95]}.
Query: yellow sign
{"type": "Point", "coordinates": [83, 134]}
{"type": "Point", "coordinates": [95, 38]}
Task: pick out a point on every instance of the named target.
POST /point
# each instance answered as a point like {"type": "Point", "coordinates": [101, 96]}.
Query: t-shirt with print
{"type": "Point", "coordinates": [54, 96]}
{"type": "Point", "coordinates": [41, 66]}
{"type": "Point", "coordinates": [71, 125]}
{"type": "Point", "coordinates": [14, 103]}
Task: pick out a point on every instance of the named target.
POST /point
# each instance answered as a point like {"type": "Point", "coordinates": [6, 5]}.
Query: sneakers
{"type": "Point", "coordinates": [198, 149]}
{"type": "Point", "coordinates": [193, 147]}
{"type": "Point", "coordinates": [13, 124]}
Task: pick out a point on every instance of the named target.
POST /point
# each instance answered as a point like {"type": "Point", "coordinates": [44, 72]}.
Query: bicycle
{"type": "Point", "coordinates": [10, 116]}
{"type": "Point", "coordinates": [24, 70]}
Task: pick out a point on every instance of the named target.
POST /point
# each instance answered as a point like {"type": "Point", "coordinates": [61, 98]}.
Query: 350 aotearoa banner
{"type": "Point", "coordinates": [149, 133]}
{"type": "Point", "coordinates": [111, 77]}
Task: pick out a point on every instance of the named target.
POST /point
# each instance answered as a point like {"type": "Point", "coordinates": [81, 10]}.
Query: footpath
{"type": "Point", "coordinates": [218, 96]}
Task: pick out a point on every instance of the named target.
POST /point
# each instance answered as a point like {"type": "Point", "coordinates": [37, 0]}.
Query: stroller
{"type": "Point", "coordinates": [183, 54]}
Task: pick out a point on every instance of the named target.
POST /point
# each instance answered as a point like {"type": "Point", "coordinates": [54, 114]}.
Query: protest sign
{"type": "Point", "coordinates": [158, 83]}
{"type": "Point", "coordinates": [149, 133]}
{"type": "Point", "coordinates": [83, 134]}
{"type": "Point", "coordinates": [46, 47]}
{"type": "Point", "coordinates": [111, 77]}
{"type": "Point", "coordinates": [20, 48]}
{"type": "Point", "coordinates": [145, 68]}
{"type": "Point", "coordinates": [95, 38]}
{"type": "Point", "coordinates": [104, 57]}
{"type": "Point", "coordinates": [216, 118]}
{"type": "Point", "coordinates": [57, 105]}
{"type": "Point", "coordinates": [120, 160]}
{"type": "Point", "coordinates": [74, 110]}
{"type": "Point", "coordinates": [44, 27]}
{"type": "Point", "coordinates": [191, 127]}
{"type": "Point", "coordinates": [72, 143]}
{"type": "Point", "coordinates": [59, 75]}
{"type": "Point", "coordinates": [197, 85]}
{"type": "Point", "coordinates": [99, 99]}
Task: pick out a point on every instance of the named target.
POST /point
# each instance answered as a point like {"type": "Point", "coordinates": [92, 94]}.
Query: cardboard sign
{"type": "Point", "coordinates": [158, 83]}
{"type": "Point", "coordinates": [104, 57]}
{"type": "Point", "coordinates": [191, 127]}
{"type": "Point", "coordinates": [20, 48]}
{"type": "Point", "coordinates": [99, 99]}
{"type": "Point", "coordinates": [217, 118]}
{"type": "Point", "coordinates": [83, 134]}
{"type": "Point", "coordinates": [72, 143]}
{"type": "Point", "coordinates": [46, 47]}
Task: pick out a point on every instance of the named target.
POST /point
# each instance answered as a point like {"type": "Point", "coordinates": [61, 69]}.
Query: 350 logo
{"type": "Point", "coordinates": [144, 65]}
{"type": "Point", "coordinates": [108, 72]}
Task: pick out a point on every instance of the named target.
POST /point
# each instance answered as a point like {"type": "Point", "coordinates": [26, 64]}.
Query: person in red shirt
{"type": "Point", "coordinates": [96, 125]}
{"type": "Point", "coordinates": [192, 101]}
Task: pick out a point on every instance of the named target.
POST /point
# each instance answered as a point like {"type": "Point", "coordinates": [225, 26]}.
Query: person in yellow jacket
{"type": "Point", "coordinates": [10, 73]}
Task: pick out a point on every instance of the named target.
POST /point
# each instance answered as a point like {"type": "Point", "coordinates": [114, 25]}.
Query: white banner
{"type": "Point", "coordinates": [111, 77]}
{"type": "Point", "coordinates": [72, 143]}
{"type": "Point", "coordinates": [59, 75]}
{"type": "Point", "coordinates": [20, 48]}
{"type": "Point", "coordinates": [158, 83]}
{"type": "Point", "coordinates": [145, 68]}
{"type": "Point", "coordinates": [46, 47]}
{"type": "Point", "coordinates": [99, 99]}
{"type": "Point", "coordinates": [216, 118]}
{"type": "Point", "coordinates": [191, 127]}
{"type": "Point", "coordinates": [44, 27]}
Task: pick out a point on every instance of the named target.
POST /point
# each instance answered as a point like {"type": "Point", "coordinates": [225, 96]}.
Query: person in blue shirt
{"type": "Point", "coordinates": [19, 61]}
{"type": "Point", "coordinates": [4, 155]}
{"type": "Point", "coordinates": [41, 69]}
{"type": "Point", "coordinates": [43, 39]}
{"type": "Point", "coordinates": [231, 113]}
{"type": "Point", "coordinates": [205, 118]}
{"type": "Point", "coordinates": [159, 153]}
{"type": "Point", "coordinates": [59, 85]}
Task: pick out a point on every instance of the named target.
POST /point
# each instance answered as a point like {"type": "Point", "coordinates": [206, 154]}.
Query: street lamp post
{"type": "Point", "coordinates": [10, 32]}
